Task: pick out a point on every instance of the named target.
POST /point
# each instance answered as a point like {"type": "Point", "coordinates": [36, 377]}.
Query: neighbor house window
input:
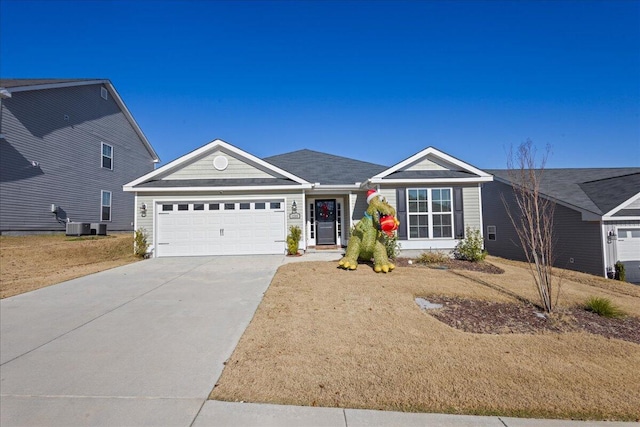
{"type": "Point", "coordinates": [105, 206]}
{"type": "Point", "coordinates": [107, 156]}
{"type": "Point", "coordinates": [430, 213]}
{"type": "Point", "coordinates": [491, 232]}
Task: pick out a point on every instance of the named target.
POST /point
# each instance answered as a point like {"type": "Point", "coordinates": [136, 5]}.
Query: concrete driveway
{"type": "Point", "coordinates": [141, 344]}
{"type": "Point", "coordinates": [144, 344]}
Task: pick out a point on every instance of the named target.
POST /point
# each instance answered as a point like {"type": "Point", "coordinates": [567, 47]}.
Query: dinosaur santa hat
{"type": "Point", "coordinates": [371, 194]}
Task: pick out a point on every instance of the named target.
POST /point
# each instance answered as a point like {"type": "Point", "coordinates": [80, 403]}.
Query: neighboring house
{"type": "Point", "coordinates": [221, 200]}
{"type": "Point", "coordinates": [596, 221]}
{"type": "Point", "coordinates": [66, 149]}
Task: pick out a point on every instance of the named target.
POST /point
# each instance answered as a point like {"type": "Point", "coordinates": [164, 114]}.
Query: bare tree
{"type": "Point", "coordinates": [532, 218]}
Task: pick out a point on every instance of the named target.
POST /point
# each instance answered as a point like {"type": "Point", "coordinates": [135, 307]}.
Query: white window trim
{"type": "Point", "coordinates": [494, 232]}
{"type": "Point", "coordinates": [102, 155]}
{"type": "Point", "coordinates": [429, 213]}
{"type": "Point", "coordinates": [102, 192]}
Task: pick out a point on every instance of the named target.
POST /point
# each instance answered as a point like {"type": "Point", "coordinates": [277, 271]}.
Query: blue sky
{"type": "Point", "coordinates": [373, 80]}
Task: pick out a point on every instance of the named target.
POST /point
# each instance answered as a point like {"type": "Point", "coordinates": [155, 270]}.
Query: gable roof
{"type": "Point", "coordinates": [597, 190]}
{"type": "Point", "coordinates": [9, 86]}
{"type": "Point", "coordinates": [457, 170]}
{"type": "Point", "coordinates": [325, 169]}
{"type": "Point", "coordinates": [153, 181]}
{"type": "Point", "coordinates": [28, 84]}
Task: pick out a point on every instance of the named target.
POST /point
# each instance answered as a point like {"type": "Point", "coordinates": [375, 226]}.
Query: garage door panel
{"type": "Point", "coordinates": [220, 232]}
{"type": "Point", "coordinates": [628, 245]}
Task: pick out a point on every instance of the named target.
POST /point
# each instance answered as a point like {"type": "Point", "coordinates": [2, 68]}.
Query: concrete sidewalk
{"type": "Point", "coordinates": [144, 344]}
{"type": "Point", "coordinates": [216, 413]}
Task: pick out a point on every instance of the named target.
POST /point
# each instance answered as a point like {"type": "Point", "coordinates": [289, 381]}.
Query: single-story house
{"type": "Point", "coordinates": [596, 220]}
{"type": "Point", "coordinates": [221, 200]}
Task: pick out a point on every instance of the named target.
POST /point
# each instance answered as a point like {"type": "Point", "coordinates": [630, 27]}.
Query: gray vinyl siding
{"type": "Point", "coordinates": [472, 210]}
{"type": "Point", "coordinates": [203, 169]}
{"type": "Point", "coordinates": [358, 206]}
{"type": "Point", "coordinates": [68, 150]}
{"type": "Point", "coordinates": [578, 244]}
{"type": "Point", "coordinates": [633, 205]}
{"type": "Point", "coordinates": [424, 164]}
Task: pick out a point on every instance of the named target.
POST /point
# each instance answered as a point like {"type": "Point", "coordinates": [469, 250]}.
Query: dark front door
{"type": "Point", "coordinates": [326, 222]}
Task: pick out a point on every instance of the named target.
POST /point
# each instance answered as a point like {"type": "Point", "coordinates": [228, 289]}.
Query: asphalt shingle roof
{"type": "Point", "coordinates": [596, 190]}
{"type": "Point", "coordinates": [430, 174]}
{"type": "Point", "coordinates": [237, 182]}
{"type": "Point", "coordinates": [327, 169]}
{"type": "Point", "coordinates": [10, 83]}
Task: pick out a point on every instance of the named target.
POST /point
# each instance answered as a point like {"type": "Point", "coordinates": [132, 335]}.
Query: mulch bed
{"type": "Point", "coordinates": [452, 264]}
{"type": "Point", "coordinates": [485, 317]}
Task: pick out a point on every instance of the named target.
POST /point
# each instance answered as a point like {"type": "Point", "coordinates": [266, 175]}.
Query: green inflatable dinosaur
{"type": "Point", "coordinates": [367, 240]}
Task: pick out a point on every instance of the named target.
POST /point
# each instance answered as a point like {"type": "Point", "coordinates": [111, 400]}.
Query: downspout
{"type": "Point", "coordinates": [481, 210]}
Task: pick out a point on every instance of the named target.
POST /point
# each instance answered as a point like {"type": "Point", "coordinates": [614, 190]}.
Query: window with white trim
{"type": "Point", "coordinates": [430, 213]}
{"type": "Point", "coordinates": [105, 206]}
{"type": "Point", "coordinates": [491, 232]}
{"type": "Point", "coordinates": [107, 156]}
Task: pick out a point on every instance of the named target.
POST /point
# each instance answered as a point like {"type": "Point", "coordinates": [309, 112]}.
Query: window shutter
{"type": "Point", "coordinates": [401, 211]}
{"type": "Point", "coordinates": [458, 217]}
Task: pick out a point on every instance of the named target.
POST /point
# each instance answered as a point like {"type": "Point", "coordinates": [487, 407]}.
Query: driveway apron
{"type": "Point", "coordinates": [141, 344]}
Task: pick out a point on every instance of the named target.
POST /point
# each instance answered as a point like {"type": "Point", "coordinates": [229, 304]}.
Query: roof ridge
{"type": "Point", "coordinates": [324, 154]}
{"type": "Point", "coordinates": [610, 177]}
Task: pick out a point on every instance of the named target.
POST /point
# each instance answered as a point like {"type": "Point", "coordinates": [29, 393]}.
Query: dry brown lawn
{"type": "Point", "coordinates": [328, 337]}
{"type": "Point", "coordinates": [32, 262]}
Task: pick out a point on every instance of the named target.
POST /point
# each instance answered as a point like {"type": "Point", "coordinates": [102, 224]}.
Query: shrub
{"type": "Point", "coordinates": [392, 245]}
{"type": "Point", "coordinates": [432, 257]}
{"type": "Point", "coordinates": [470, 249]}
{"type": "Point", "coordinates": [140, 243]}
{"type": "Point", "coordinates": [620, 273]}
{"type": "Point", "coordinates": [603, 307]}
{"type": "Point", "coordinates": [293, 239]}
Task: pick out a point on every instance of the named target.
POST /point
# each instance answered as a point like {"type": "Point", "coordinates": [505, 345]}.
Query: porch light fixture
{"type": "Point", "coordinates": [294, 207]}
{"type": "Point", "coordinates": [611, 236]}
{"type": "Point", "coordinates": [143, 210]}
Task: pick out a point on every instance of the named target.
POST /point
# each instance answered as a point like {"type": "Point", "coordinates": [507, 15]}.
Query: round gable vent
{"type": "Point", "coordinates": [220, 163]}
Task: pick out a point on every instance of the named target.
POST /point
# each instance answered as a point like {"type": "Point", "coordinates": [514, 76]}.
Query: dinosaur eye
{"type": "Point", "coordinates": [384, 200]}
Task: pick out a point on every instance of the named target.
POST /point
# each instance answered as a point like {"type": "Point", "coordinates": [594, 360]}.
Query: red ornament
{"type": "Point", "coordinates": [388, 224]}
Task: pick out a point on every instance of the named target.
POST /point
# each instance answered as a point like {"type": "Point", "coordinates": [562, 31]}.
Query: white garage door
{"type": "Point", "coordinates": [629, 252]}
{"type": "Point", "coordinates": [220, 228]}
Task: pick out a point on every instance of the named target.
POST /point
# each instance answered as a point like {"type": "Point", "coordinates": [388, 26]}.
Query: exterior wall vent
{"type": "Point", "coordinates": [104, 93]}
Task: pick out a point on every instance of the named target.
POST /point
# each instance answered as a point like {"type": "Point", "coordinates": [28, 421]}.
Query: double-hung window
{"type": "Point", "coordinates": [107, 156]}
{"type": "Point", "coordinates": [430, 213]}
{"type": "Point", "coordinates": [105, 214]}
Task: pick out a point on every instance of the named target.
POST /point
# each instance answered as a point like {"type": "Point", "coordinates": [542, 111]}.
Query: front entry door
{"type": "Point", "coordinates": [326, 222]}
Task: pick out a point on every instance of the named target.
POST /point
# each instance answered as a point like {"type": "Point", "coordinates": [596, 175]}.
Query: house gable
{"type": "Point", "coordinates": [431, 165]}
{"type": "Point", "coordinates": [216, 165]}
{"type": "Point", "coordinates": [220, 164]}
